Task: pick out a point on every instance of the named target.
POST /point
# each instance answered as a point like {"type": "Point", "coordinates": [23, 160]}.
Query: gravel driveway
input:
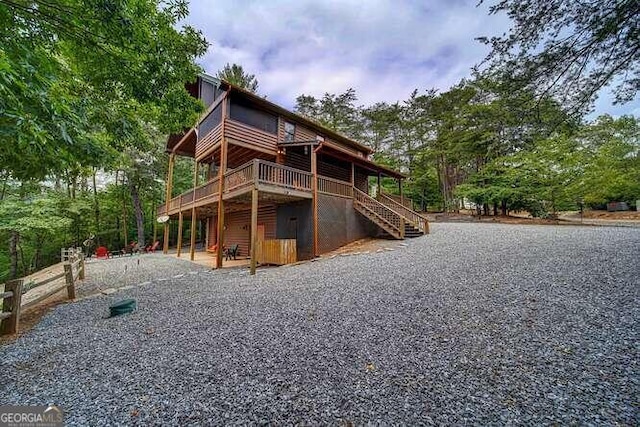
{"type": "Point", "coordinates": [476, 323]}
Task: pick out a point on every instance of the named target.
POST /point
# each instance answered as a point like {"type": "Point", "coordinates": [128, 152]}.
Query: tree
{"type": "Point", "coordinates": [612, 164]}
{"type": "Point", "coordinates": [235, 74]}
{"type": "Point", "coordinates": [76, 76]}
{"type": "Point", "coordinates": [569, 49]}
{"type": "Point", "coordinates": [337, 112]}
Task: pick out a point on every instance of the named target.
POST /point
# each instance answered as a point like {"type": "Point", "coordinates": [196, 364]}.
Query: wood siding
{"type": "Point", "coordinates": [303, 133]}
{"type": "Point", "coordinates": [250, 135]}
{"type": "Point", "coordinates": [206, 142]}
{"type": "Point", "coordinates": [295, 158]}
{"type": "Point", "coordinates": [238, 227]}
{"type": "Point", "coordinates": [333, 168]}
{"type": "Point", "coordinates": [361, 181]}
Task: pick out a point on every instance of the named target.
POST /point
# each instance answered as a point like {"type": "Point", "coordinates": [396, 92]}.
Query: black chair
{"type": "Point", "coordinates": [232, 251]}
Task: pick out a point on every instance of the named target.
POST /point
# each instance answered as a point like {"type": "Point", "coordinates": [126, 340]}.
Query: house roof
{"type": "Point", "coordinates": [268, 105]}
{"type": "Point", "coordinates": [188, 140]}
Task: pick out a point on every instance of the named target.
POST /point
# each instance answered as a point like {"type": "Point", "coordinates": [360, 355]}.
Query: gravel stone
{"type": "Point", "coordinates": [483, 324]}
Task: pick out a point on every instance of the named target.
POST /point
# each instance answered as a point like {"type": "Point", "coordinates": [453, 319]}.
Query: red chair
{"type": "Point", "coordinates": [102, 252]}
{"type": "Point", "coordinates": [152, 248]}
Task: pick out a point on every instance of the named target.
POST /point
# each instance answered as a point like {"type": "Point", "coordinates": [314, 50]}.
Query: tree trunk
{"type": "Point", "coordinates": [5, 178]}
{"type": "Point", "coordinates": [14, 238]}
{"type": "Point", "coordinates": [96, 206]}
{"type": "Point", "coordinates": [137, 208]}
{"type": "Point", "coordinates": [503, 205]}
{"type": "Point", "coordinates": [495, 208]}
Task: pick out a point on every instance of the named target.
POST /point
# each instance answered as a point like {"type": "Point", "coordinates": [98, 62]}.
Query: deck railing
{"type": "Point", "coordinates": [388, 218]}
{"type": "Point", "coordinates": [418, 221]}
{"type": "Point", "coordinates": [208, 190]}
{"type": "Point", "coordinates": [239, 178]}
{"type": "Point", "coordinates": [283, 176]}
{"type": "Point", "coordinates": [335, 187]}
{"type": "Point", "coordinates": [405, 201]}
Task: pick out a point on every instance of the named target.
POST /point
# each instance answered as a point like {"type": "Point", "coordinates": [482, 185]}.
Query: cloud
{"type": "Point", "coordinates": [382, 48]}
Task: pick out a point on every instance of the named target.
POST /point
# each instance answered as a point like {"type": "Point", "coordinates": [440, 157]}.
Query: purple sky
{"type": "Point", "coordinates": [383, 49]}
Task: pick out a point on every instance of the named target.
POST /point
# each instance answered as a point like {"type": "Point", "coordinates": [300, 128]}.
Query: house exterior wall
{"type": "Point", "coordinates": [238, 227]}
{"type": "Point", "coordinates": [339, 223]}
{"type": "Point", "coordinates": [295, 221]}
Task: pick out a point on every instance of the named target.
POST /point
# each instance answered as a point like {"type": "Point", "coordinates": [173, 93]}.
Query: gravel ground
{"type": "Point", "coordinates": [476, 323]}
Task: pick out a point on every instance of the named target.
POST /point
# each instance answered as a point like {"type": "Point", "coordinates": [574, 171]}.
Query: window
{"type": "Point", "coordinates": [246, 113]}
{"type": "Point", "coordinates": [289, 132]}
{"type": "Point", "coordinates": [210, 122]}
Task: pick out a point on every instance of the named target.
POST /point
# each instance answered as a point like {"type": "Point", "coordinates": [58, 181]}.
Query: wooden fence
{"type": "Point", "coordinates": [15, 291]}
{"type": "Point", "coordinates": [277, 251]}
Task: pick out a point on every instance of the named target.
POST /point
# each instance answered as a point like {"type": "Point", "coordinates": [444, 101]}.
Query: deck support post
{"type": "Point", "coordinates": [206, 234]}
{"type": "Point", "coordinates": [314, 189]}
{"type": "Point", "coordinates": [220, 225]}
{"type": "Point", "coordinates": [400, 189]}
{"type": "Point", "coordinates": [353, 175]}
{"type": "Point", "coordinates": [194, 220]}
{"type": "Point", "coordinates": [179, 247]}
{"type": "Point", "coordinates": [254, 229]}
{"type": "Point", "coordinates": [379, 189]}
{"type": "Point", "coordinates": [167, 200]}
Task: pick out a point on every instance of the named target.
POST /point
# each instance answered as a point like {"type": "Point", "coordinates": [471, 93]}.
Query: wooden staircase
{"type": "Point", "coordinates": [395, 219]}
{"type": "Point", "coordinates": [387, 219]}
{"type": "Point", "coordinates": [415, 224]}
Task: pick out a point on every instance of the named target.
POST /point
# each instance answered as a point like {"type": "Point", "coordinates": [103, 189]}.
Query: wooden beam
{"type": "Point", "coordinates": [183, 139]}
{"type": "Point", "coordinates": [179, 248]}
{"type": "Point", "coordinates": [254, 229]}
{"type": "Point", "coordinates": [379, 190]}
{"type": "Point", "coordinates": [400, 189]}
{"type": "Point", "coordinates": [252, 147]}
{"type": "Point", "coordinates": [167, 200]}
{"type": "Point", "coordinates": [353, 174]}
{"type": "Point", "coordinates": [223, 167]}
{"type": "Point", "coordinates": [314, 190]}
{"type": "Point", "coordinates": [194, 220]}
{"type": "Point", "coordinates": [206, 234]}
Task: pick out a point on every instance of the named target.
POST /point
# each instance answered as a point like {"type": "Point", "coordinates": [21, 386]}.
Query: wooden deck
{"type": "Point", "coordinates": [208, 259]}
{"type": "Point", "coordinates": [271, 179]}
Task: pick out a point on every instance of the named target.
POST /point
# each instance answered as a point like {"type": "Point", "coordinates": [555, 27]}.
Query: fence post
{"type": "Point", "coordinates": [81, 267]}
{"type": "Point", "coordinates": [12, 305]}
{"type": "Point", "coordinates": [68, 275]}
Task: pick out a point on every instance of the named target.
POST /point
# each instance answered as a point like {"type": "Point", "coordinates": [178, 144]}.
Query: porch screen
{"type": "Point", "coordinates": [247, 114]}
{"type": "Point", "coordinates": [210, 122]}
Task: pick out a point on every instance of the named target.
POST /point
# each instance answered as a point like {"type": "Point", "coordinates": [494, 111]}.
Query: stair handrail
{"type": "Point", "coordinates": [413, 217]}
{"type": "Point", "coordinates": [390, 217]}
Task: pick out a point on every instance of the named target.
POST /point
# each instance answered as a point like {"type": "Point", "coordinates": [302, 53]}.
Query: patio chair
{"type": "Point", "coordinates": [102, 252]}
{"type": "Point", "coordinates": [152, 248]}
{"type": "Point", "coordinates": [232, 251]}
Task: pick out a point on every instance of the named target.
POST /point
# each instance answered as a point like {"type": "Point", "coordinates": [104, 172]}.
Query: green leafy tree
{"type": "Point", "coordinates": [337, 112]}
{"type": "Point", "coordinates": [35, 221]}
{"type": "Point", "coordinates": [77, 76]}
{"type": "Point", "coordinates": [612, 170]}
{"type": "Point", "coordinates": [569, 49]}
{"type": "Point", "coordinates": [236, 75]}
